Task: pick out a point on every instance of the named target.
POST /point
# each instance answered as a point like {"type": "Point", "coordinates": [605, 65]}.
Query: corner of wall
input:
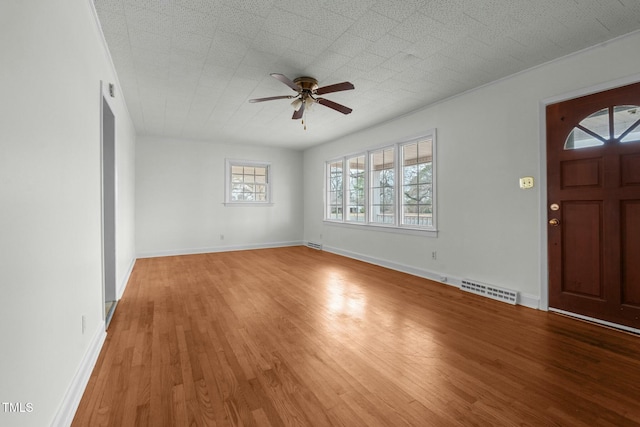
{"type": "Point", "coordinates": [123, 284]}
{"type": "Point", "coordinates": [74, 393]}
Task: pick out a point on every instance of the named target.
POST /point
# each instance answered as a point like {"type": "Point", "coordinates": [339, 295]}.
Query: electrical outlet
{"type": "Point", "coordinates": [434, 255]}
{"type": "Point", "coordinates": [222, 237]}
{"type": "Point", "coordinates": [526, 182]}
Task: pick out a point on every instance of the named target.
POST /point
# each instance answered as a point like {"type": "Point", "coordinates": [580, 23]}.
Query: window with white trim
{"type": "Point", "coordinates": [247, 182]}
{"type": "Point", "coordinates": [356, 189]}
{"type": "Point", "coordinates": [334, 190]}
{"type": "Point", "coordinates": [390, 187]}
{"type": "Point", "coordinates": [382, 167]}
{"type": "Point", "coordinates": [417, 183]}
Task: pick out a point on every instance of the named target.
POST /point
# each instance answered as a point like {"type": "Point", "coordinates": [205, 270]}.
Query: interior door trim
{"type": "Point", "coordinates": [106, 98]}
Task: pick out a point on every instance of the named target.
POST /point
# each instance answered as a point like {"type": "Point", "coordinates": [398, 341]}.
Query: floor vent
{"type": "Point", "coordinates": [314, 245]}
{"type": "Point", "coordinates": [490, 291]}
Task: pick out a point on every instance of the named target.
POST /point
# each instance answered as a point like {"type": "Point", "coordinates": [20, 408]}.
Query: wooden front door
{"type": "Point", "coordinates": [593, 212]}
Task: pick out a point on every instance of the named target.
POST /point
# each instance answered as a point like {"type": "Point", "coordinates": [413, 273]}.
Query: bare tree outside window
{"type": "Point", "coordinates": [417, 185]}
{"type": "Point", "coordinates": [382, 175]}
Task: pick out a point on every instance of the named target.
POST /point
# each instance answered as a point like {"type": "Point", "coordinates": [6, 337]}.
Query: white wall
{"type": "Point", "coordinates": [180, 195]}
{"type": "Point", "coordinates": [50, 246]}
{"type": "Point", "coordinates": [489, 229]}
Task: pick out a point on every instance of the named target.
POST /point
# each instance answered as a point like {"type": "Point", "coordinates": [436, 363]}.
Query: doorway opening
{"type": "Point", "coordinates": [108, 156]}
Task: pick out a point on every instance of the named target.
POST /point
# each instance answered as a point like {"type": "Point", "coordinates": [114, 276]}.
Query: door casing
{"type": "Point", "coordinates": [108, 200]}
{"type": "Point", "coordinates": [542, 191]}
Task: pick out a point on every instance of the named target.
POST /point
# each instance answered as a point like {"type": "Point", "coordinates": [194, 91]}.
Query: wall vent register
{"type": "Point", "coordinates": [490, 291]}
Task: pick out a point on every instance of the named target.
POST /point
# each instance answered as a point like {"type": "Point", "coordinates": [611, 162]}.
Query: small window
{"type": "Point", "coordinates": [596, 129]}
{"type": "Point", "coordinates": [247, 182]}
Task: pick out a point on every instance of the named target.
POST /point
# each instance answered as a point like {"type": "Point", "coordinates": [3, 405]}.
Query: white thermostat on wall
{"type": "Point", "coordinates": [526, 182]}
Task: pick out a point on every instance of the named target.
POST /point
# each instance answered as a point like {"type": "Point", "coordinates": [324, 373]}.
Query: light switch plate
{"type": "Point", "coordinates": [526, 182]}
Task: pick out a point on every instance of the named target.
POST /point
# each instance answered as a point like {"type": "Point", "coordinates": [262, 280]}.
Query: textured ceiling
{"type": "Point", "coordinates": [189, 67]}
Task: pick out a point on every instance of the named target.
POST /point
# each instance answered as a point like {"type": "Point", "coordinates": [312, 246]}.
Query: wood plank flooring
{"type": "Point", "coordinates": [298, 337]}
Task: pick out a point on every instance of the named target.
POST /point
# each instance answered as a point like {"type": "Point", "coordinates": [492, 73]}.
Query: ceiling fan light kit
{"type": "Point", "coordinates": [307, 89]}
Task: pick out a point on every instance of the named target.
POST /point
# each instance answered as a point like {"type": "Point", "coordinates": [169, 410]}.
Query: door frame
{"type": "Point", "coordinates": [542, 131]}
{"type": "Point", "coordinates": [105, 97]}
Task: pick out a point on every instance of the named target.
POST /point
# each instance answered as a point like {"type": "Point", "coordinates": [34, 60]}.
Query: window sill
{"type": "Point", "coordinates": [385, 228]}
{"type": "Point", "coordinates": [246, 204]}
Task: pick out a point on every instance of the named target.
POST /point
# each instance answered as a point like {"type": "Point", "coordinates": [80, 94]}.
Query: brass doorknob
{"type": "Point", "coordinates": [554, 222]}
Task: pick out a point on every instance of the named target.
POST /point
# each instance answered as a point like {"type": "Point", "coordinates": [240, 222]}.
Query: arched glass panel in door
{"type": "Point", "coordinates": [609, 125]}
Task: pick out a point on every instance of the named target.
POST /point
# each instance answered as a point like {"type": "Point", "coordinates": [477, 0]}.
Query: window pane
{"type": "Point", "coordinates": [381, 186]}
{"type": "Point", "coordinates": [633, 136]}
{"type": "Point", "coordinates": [598, 123]}
{"type": "Point", "coordinates": [356, 210]}
{"type": "Point", "coordinates": [245, 185]}
{"type": "Point", "coordinates": [411, 172]}
{"type": "Point", "coordinates": [417, 181]}
{"type": "Point", "coordinates": [580, 139]}
{"type": "Point", "coordinates": [334, 190]}
{"type": "Point", "coordinates": [626, 120]}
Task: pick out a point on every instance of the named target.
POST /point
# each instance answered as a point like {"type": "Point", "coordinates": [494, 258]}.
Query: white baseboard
{"type": "Point", "coordinates": [529, 300]}
{"type": "Point", "coordinates": [525, 300]}
{"type": "Point", "coordinates": [125, 280]}
{"type": "Point", "coordinates": [218, 249]}
{"type": "Point", "coordinates": [74, 393]}
{"type": "Point", "coordinates": [414, 271]}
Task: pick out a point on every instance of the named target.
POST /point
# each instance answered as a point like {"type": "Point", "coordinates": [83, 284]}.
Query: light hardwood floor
{"type": "Point", "coordinates": [298, 337]}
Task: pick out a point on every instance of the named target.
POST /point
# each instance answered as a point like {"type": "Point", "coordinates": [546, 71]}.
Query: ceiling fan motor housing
{"type": "Point", "coordinates": [306, 84]}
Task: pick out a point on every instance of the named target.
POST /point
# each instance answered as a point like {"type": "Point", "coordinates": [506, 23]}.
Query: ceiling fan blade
{"type": "Point", "coordinates": [335, 88]}
{"type": "Point", "coordinates": [298, 113]}
{"type": "Point", "coordinates": [271, 98]}
{"type": "Point", "coordinates": [334, 105]}
{"type": "Point", "coordinates": [284, 79]}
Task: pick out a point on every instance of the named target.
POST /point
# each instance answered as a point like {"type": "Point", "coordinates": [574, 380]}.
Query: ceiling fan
{"type": "Point", "coordinates": [308, 91]}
